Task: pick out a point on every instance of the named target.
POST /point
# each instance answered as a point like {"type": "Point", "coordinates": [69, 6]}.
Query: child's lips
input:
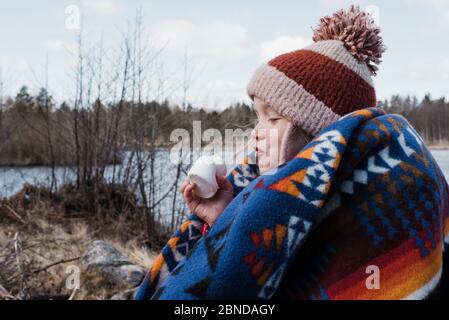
{"type": "Point", "coordinates": [258, 152]}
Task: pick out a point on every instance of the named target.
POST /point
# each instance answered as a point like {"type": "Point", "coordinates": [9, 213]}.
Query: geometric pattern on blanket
{"type": "Point", "coordinates": [370, 168]}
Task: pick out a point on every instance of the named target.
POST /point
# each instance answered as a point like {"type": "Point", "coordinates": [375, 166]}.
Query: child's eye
{"type": "Point", "coordinates": [274, 120]}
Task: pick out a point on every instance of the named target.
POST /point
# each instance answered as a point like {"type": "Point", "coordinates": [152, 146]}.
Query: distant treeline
{"type": "Point", "coordinates": [35, 131]}
{"type": "Point", "coordinates": [429, 117]}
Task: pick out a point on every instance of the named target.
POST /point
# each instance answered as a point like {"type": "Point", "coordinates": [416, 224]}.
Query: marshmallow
{"type": "Point", "coordinates": [203, 175]}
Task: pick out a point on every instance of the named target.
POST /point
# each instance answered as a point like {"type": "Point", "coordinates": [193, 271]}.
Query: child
{"type": "Point", "coordinates": [345, 203]}
{"type": "Point", "coordinates": [270, 153]}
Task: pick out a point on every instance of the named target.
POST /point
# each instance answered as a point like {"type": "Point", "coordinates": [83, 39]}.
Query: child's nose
{"type": "Point", "coordinates": [258, 133]}
{"type": "Point", "coordinates": [253, 133]}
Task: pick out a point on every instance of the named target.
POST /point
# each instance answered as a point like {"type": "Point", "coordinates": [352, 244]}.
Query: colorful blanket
{"type": "Point", "coordinates": [362, 212]}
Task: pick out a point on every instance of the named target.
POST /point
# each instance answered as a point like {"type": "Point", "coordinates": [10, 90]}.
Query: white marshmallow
{"type": "Point", "coordinates": [203, 175]}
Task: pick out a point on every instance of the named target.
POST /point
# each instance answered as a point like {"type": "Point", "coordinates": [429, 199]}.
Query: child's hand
{"type": "Point", "coordinates": [208, 209]}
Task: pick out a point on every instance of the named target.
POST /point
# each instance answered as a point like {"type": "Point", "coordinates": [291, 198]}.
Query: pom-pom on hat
{"type": "Point", "coordinates": [315, 86]}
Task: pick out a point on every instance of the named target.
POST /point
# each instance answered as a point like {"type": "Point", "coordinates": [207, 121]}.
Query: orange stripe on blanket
{"type": "Point", "coordinates": [360, 275]}
{"type": "Point", "coordinates": [412, 277]}
{"type": "Point", "coordinates": [400, 278]}
{"type": "Point", "coordinates": [160, 261]}
{"type": "Point", "coordinates": [173, 242]}
{"type": "Point", "coordinates": [381, 261]}
{"type": "Point", "coordinates": [185, 225]}
{"type": "Point", "coordinates": [363, 112]}
{"type": "Point", "coordinates": [307, 153]}
{"type": "Point", "coordinates": [156, 267]}
{"type": "Point", "coordinates": [446, 228]}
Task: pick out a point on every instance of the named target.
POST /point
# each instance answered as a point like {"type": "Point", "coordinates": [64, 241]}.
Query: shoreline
{"type": "Point", "coordinates": [26, 164]}
{"type": "Point", "coordinates": [438, 146]}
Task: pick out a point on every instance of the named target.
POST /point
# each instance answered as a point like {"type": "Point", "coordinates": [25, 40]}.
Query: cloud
{"type": "Point", "coordinates": [215, 42]}
{"type": "Point", "coordinates": [59, 45]}
{"type": "Point", "coordinates": [13, 71]}
{"type": "Point", "coordinates": [429, 70]}
{"type": "Point", "coordinates": [282, 44]}
{"type": "Point", "coordinates": [439, 7]}
{"type": "Point", "coordinates": [219, 94]}
{"type": "Point", "coordinates": [101, 7]}
{"type": "Point", "coordinates": [445, 69]}
{"type": "Point", "coordinates": [11, 63]}
{"type": "Point", "coordinates": [428, 74]}
{"type": "Point", "coordinates": [212, 93]}
{"type": "Point", "coordinates": [336, 4]}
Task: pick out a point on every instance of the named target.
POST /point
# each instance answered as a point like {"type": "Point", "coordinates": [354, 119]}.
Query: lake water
{"type": "Point", "coordinates": [442, 158]}
{"type": "Point", "coordinates": [12, 179]}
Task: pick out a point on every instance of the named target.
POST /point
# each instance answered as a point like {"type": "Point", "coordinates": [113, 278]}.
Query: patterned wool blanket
{"type": "Point", "coordinates": [365, 198]}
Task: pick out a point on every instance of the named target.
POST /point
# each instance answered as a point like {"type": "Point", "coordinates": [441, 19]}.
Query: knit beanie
{"type": "Point", "coordinates": [315, 86]}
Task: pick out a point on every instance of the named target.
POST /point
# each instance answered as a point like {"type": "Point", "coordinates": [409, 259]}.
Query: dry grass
{"type": "Point", "coordinates": [43, 244]}
{"type": "Point", "coordinates": [47, 237]}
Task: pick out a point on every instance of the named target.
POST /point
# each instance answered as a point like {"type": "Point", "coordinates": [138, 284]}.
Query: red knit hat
{"type": "Point", "coordinates": [315, 86]}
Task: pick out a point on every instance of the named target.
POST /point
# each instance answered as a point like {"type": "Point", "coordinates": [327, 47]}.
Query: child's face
{"type": "Point", "coordinates": [268, 132]}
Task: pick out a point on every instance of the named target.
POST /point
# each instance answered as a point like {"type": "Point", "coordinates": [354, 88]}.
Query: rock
{"type": "Point", "coordinates": [101, 253]}
{"type": "Point", "coordinates": [103, 260]}
{"type": "Point", "coordinates": [125, 274]}
{"type": "Point", "coordinates": [124, 295]}
{"type": "Point", "coordinates": [4, 294]}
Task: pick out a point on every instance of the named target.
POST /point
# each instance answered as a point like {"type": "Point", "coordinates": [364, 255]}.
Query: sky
{"type": "Point", "coordinates": [225, 41]}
